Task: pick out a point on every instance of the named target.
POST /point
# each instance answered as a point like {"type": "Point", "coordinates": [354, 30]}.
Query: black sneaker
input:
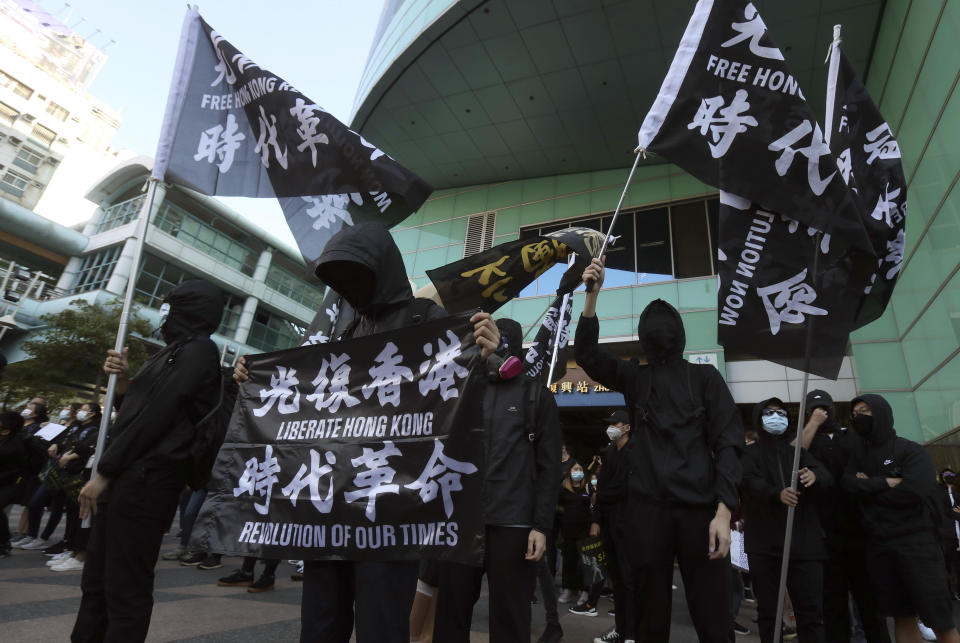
{"type": "Point", "coordinates": [610, 636]}
{"type": "Point", "coordinates": [192, 558]}
{"type": "Point", "coordinates": [238, 578]}
{"type": "Point", "coordinates": [210, 561]}
{"type": "Point", "coordinates": [53, 550]}
{"type": "Point", "coordinates": [552, 633]}
{"type": "Point", "coordinates": [742, 630]}
{"type": "Point", "coordinates": [262, 584]}
{"type": "Point", "coordinates": [583, 609]}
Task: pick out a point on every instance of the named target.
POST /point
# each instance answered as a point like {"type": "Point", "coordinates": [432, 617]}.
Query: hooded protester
{"type": "Point", "coordinates": [895, 484]}
{"type": "Point", "coordinates": [363, 264]}
{"type": "Point", "coordinates": [845, 571]}
{"type": "Point", "coordinates": [145, 464]}
{"type": "Point", "coordinates": [522, 444]}
{"type": "Point", "coordinates": [13, 464]}
{"type": "Point", "coordinates": [949, 497]}
{"type": "Point", "coordinates": [767, 473]}
{"type": "Point", "coordinates": [684, 466]}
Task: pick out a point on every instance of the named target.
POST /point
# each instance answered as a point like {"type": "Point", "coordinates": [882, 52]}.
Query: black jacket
{"type": "Point", "coordinates": [83, 442]}
{"type": "Point", "coordinates": [13, 460]}
{"type": "Point", "coordinates": [612, 481]}
{"type": "Point", "coordinates": [767, 468]}
{"type": "Point", "coordinates": [892, 515]}
{"type": "Point", "coordinates": [686, 429]}
{"type": "Point", "coordinates": [573, 509]}
{"type": "Point", "coordinates": [950, 518]}
{"type": "Point", "coordinates": [174, 389]}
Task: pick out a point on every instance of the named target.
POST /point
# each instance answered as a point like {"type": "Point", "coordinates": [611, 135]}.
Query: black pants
{"type": "Point", "coordinates": [269, 565]}
{"type": "Point", "coordinates": [382, 592]}
{"type": "Point", "coordinates": [42, 497]}
{"type": "Point", "coordinates": [624, 599]}
{"type": "Point", "coordinates": [125, 538]}
{"type": "Point", "coordinates": [572, 577]}
{"type": "Point", "coordinates": [8, 496]}
{"type": "Point", "coordinates": [845, 573]}
{"type": "Point", "coordinates": [804, 584]}
{"type": "Point", "coordinates": [658, 534]}
{"type": "Point", "coordinates": [510, 579]}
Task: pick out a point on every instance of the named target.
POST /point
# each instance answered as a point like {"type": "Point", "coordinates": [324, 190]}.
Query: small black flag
{"type": "Point", "coordinates": [554, 331]}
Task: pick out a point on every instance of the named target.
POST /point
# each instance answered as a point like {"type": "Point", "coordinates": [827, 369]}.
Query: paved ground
{"type": "Point", "coordinates": [39, 605]}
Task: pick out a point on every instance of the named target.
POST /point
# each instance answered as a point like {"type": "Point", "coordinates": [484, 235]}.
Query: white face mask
{"type": "Point", "coordinates": [83, 415]}
{"type": "Point", "coordinates": [614, 432]}
{"type": "Point", "coordinates": [26, 413]}
{"type": "Point", "coordinates": [775, 424]}
{"type": "Point", "coordinates": [64, 414]}
{"type": "Point", "coordinates": [164, 313]}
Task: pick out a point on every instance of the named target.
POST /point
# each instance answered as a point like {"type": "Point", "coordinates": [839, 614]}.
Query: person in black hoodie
{"type": "Point", "coordinates": [894, 482]}
{"type": "Point", "coordinates": [133, 494]}
{"type": "Point", "coordinates": [13, 464]}
{"type": "Point", "coordinates": [845, 571]}
{"type": "Point", "coordinates": [519, 499]}
{"type": "Point", "coordinates": [767, 472]}
{"type": "Point", "coordinates": [684, 466]}
{"type": "Point", "coordinates": [950, 527]}
{"type": "Point", "coordinates": [363, 264]}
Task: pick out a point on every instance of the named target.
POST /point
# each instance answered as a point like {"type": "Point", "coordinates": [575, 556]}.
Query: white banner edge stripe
{"type": "Point", "coordinates": [653, 121]}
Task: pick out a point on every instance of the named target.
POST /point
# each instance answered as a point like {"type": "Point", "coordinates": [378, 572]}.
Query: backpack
{"type": "Point", "coordinates": [209, 434]}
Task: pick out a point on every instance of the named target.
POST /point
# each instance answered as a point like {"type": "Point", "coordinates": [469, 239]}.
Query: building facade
{"type": "Point", "coordinates": [524, 116]}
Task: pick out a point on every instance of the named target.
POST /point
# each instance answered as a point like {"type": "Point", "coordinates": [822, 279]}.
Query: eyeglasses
{"type": "Point", "coordinates": [768, 412]}
{"type": "Point", "coordinates": [862, 410]}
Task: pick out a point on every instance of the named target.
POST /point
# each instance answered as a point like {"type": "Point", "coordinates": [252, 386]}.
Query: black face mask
{"type": "Point", "coordinates": [863, 424]}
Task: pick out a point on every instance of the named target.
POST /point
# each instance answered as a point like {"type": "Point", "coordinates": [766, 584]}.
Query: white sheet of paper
{"type": "Point", "coordinates": [738, 557]}
{"type": "Point", "coordinates": [50, 431]}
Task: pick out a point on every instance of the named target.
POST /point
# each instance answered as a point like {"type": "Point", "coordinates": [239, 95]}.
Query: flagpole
{"type": "Point", "coordinates": [798, 442]}
{"type": "Point", "coordinates": [556, 341]}
{"type": "Point", "coordinates": [623, 195]}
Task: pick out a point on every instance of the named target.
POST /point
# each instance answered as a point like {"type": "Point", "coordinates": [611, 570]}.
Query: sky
{"type": "Point", "coordinates": [319, 46]}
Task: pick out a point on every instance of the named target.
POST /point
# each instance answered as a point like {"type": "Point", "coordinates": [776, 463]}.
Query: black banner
{"type": "Point", "coordinates": [367, 449]}
{"type": "Point", "coordinates": [235, 129]}
{"type": "Point", "coordinates": [538, 356]}
{"type": "Point", "coordinates": [731, 113]}
{"type": "Point", "coordinates": [869, 159]}
{"type": "Point", "coordinates": [769, 294]}
{"type": "Point", "coordinates": [491, 278]}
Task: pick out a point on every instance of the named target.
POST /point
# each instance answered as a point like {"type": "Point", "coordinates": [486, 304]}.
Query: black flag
{"type": "Point", "coordinates": [869, 160]}
{"type": "Point", "coordinates": [771, 290]}
{"type": "Point", "coordinates": [731, 113]}
{"type": "Point", "coordinates": [331, 320]}
{"type": "Point", "coordinates": [554, 331]}
{"type": "Point", "coordinates": [232, 128]}
{"type": "Point", "coordinates": [491, 278]}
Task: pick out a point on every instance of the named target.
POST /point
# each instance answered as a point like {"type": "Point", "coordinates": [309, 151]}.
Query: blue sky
{"type": "Point", "coordinates": [319, 46]}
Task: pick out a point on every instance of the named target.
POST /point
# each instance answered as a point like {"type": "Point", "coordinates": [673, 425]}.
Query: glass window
{"type": "Point", "coordinates": [296, 288]}
{"type": "Point", "coordinates": [14, 183]}
{"type": "Point", "coordinates": [691, 242]}
{"type": "Point", "coordinates": [120, 214]}
{"type": "Point", "coordinates": [156, 279]}
{"type": "Point", "coordinates": [654, 259]}
{"type": "Point", "coordinates": [28, 160]}
{"type": "Point", "coordinates": [203, 236]}
{"type": "Point", "coordinates": [43, 134]}
{"type": "Point", "coordinates": [270, 332]}
{"type": "Point", "coordinates": [57, 111]}
{"type": "Point", "coordinates": [96, 269]}
{"type": "Point", "coordinates": [231, 315]}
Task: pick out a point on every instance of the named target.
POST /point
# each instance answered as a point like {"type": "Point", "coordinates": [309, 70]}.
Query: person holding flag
{"type": "Point", "coordinates": [685, 464]}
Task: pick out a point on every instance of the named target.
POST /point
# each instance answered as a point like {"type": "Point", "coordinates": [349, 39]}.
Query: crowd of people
{"type": "Point", "coordinates": [678, 474]}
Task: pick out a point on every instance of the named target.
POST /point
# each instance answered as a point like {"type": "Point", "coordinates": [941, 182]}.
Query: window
{"type": "Point", "coordinates": [653, 245]}
{"type": "Point", "coordinates": [270, 332]}
{"type": "Point", "coordinates": [96, 269]}
{"type": "Point", "coordinates": [179, 223]}
{"type": "Point", "coordinates": [231, 315]}
{"type": "Point", "coordinates": [156, 279]}
{"type": "Point", "coordinates": [8, 114]}
{"type": "Point", "coordinates": [120, 214]}
{"type": "Point", "coordinates": [43, 134]}
{"type": "Point", "coordinates": [14, 85]}
{"type": "Point", "coordinates": [14, 183]}
{"type": "Point", "coordinates": [28, 160]}
{"type": "Point", "coordinates": [296, 288]}
{"type": "Point", "coordinates": [57, 111]}
{"type": "Point", "coordinates": [480, 229]}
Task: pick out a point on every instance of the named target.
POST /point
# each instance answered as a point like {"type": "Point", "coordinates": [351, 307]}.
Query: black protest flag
{"type": "Point", "coordinates": [330, 321]}
{"type": "Point", "coordinates": [554, 333]}
{"type": "Point", "coordinates": [869, 159]}
{"type": "Point", "coordinates": [771, 289]}
{"type": "Point", "coordinates": [491, 278]}
{"type": "Point", "coordinates": [365, 449]}
{"type": "Point", "coordinates": [232, 128]}
{"type": "Point", "coordinates": [731, 113]}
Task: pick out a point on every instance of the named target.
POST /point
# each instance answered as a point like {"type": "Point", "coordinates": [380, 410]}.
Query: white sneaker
{"type": "Point", "coordinates": [566, 596]}
{"type": "Point", "coordinates": [927, 633]}
{"type": "Point", "coordinates": [69, 565]}
{"type": "Point", "coordinates": [19, 540]}
{"type": "Point", "coordinates": [583, 598]}
{"type": "Point", "coordinates": [59, 558]}
{"type": "Point", "coordinates": [36, 543]}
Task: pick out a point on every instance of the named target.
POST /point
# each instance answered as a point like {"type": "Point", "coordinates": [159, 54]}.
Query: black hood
{"type": "Point", "coordinates": [196, 307]}
{"type": "Point", "coordinates": [513, 334]}
{"type": "Point", "coordinates": [820, 398]}
{"type": "Point", "coordinates": [767, 438]}
{"type": "Point", "coordinates": [359, 254]}
{"type": "Point", "coordinates": [661, 333]}
{"type": "Point", "coordinates": [883, 430]}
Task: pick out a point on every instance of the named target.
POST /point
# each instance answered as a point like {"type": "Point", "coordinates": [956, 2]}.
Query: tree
{"type": "Point", "coordinates": [69, 352]}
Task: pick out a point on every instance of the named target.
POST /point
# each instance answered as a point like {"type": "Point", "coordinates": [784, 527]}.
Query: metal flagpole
{"type": "Point", "coordinates": [146, 214]}
{"type": "Point", "coordinates": [798, 446]}
{"type": "Point", "coordinates": [556, 342]}
{"type": "Point", "coordinates": [623, 195]}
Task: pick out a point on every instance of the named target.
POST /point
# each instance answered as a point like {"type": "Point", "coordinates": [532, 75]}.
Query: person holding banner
{"type": "Point", "coordinates": [133, 494]}
{"type": "Point", "coordinates": [523, 440]}
{"type": "Point", "coordinates": [895, 485]}
{"type": "Point", "coordinates": [684, 463]}
{"type": "Point", "coordinates": [767, 493]}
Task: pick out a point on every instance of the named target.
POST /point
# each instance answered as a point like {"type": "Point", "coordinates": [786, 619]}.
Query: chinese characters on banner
{"type": "Point", "coordinates": [364, 449]}
{"type": "Point", "coordinates": [233, 128]}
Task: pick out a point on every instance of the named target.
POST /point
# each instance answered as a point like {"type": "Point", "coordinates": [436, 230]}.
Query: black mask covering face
{"type": "Point", "coordinates": [863, 424]}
